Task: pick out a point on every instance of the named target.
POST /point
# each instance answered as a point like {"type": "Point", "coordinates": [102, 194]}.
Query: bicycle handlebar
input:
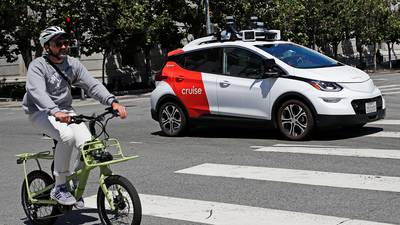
{"type": "Point", "coordinates": [83, 118]}
{"type": "Point", "coordinates": [94, 119]}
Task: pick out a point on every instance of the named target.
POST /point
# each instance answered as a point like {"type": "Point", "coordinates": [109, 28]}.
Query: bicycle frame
{"type": "Point", "coordinates": [83, 174]}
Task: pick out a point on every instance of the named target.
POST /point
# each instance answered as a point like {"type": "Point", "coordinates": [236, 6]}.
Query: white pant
{"type": "Point", "coordinates": [68, 137]}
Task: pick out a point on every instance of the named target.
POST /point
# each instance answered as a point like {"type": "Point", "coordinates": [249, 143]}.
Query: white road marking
{"type": "Point", "coordinates": [390, 89]}
{"type": "Point", "coordinates": [295, 145]}
{"type": "Point", "coordinates": [380, 79]}
{"type": "Point", "coordinates": [136, 142]}
{"type": "Point", "coordinates": [307, 177]}
{"type": "Point", "coordinates": [386, 122]}
{"type": "Point", "coordinates": [373, 153]}
{"type": "Point", "coordinates": [216, 213]}
{"type": "Point", "coordinates": [311, 146]}
{"type": "Point", "coordinates": [386, 134]}
{"type": "Point", "coordinates": [386, 86]}
{"type": "Point", "coordinates": [391, 93]}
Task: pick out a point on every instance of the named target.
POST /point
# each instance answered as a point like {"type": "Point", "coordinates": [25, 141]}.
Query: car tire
{"type": "Point", "coordinates": [172, 119]}
{"type": "Point", "coordinates": [295, 120]}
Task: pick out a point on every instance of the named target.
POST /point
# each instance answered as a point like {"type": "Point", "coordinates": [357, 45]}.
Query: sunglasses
{"type": "Point", "coordinates": [60, 43]}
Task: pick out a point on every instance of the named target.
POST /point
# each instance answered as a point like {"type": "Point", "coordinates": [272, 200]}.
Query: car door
{"type": "Point", "coordinates": [241, 90]}
{"type": "Point", "coordinates": [195, 82]}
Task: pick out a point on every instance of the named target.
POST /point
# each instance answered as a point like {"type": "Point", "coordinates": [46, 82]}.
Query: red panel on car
{"type": "Point", "coordinates": [189, 88]}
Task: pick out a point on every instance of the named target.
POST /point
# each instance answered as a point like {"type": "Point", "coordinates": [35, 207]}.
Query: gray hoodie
{"type": "Point", "coordinates": [47, 90]}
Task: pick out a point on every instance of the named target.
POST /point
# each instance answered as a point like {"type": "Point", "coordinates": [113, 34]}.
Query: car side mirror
{"type": "Point", "coordinates": [269, 69]}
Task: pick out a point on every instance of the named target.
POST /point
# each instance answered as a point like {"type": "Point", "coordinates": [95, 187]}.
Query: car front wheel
{"type": "Point", "coordinates": [295, 120]}
{"type": "Point", "coordinates": [172, 119]}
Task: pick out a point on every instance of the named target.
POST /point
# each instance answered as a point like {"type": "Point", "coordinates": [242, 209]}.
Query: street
{"type": "Point", "coordinates": [232, 174]}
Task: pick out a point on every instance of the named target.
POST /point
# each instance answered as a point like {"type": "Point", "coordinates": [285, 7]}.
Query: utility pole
{"type": "Point", "coordinates": [208, 21]}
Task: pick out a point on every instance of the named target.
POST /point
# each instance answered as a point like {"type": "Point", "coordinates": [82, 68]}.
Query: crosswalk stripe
{"type": "Point", "coordinates": [307, 177]}
{"type": "Point", "coordinates": [385, 134]}
{"type": "Point", "coordinates": [216, 213]}
{"type": "Point", "coordinates": [386, 122]}
{"type": "Point", "coordinates": [373, 153]}
{"type": "Point", "coordinates": [391, 93]}
{"type": "Point", "coordinates": [390, 89]}
{"type": "Point", "coordinates": [311, 146]}
{"type": "Point", "coordinates": [386, 86]}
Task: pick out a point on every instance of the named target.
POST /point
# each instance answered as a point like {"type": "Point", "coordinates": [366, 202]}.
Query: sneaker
{"type": "Point", "coordinates": [79, 204]}
{"type": "Point", "coordinates": [62, 195]}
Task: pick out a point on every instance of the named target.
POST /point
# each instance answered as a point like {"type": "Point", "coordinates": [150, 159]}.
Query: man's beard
{"type": "Point", "coordinates": [60, 55]}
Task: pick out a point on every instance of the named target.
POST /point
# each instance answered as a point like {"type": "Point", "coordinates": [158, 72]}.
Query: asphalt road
{"type": "Point", "coordinates": [180, 170]}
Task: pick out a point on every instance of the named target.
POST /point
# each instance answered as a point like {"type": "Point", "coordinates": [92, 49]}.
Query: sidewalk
{"type": "Point", "coordinates": [123, 96]}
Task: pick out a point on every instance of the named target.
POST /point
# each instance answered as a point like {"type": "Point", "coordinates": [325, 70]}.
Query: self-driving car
{"type": "Point", "coordinates": [249, 75]}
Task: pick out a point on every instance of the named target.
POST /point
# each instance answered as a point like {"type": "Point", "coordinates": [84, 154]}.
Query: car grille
{"type": "Point", "coordinates": [359, 104]}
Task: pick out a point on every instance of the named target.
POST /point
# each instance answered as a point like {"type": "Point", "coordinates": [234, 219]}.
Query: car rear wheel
{"type": "Point", "coordinates": [295, 120]}
{"type": "Point", "coordinates": [172, 119]}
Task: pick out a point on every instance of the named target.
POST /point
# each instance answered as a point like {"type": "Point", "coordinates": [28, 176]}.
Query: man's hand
{"type": "Point", "coordinates": [120, 108]}
{"type": "Point", "coordinates": [62, 117]}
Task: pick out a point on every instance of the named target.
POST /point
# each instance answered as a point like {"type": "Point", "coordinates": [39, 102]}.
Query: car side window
{"type": "Point", "coordinates": [239, 62]}
{"type": "Point", "coordinates": [206, 61]}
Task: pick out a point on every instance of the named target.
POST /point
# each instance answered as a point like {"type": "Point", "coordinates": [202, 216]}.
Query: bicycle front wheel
{"type": "Point", "coordinates": [125, 199]}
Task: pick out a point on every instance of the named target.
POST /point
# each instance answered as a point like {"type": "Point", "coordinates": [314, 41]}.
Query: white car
{"type": "Point", "coordinates": [294, 87]}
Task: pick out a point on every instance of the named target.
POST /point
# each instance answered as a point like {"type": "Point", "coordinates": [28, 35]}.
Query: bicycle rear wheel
{"type": "Point", "coordinates": [38, 214]}
{"type": "Point", "coordinates": [128, 209]}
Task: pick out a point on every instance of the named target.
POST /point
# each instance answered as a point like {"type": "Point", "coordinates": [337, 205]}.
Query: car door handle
{"type": "Point", "coordinates": [179, 78]}
{"type": "Point", "coordinates": [224, 84]}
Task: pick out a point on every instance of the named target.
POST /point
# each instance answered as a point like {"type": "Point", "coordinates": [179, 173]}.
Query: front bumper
{"type": "Point", "coordinates": [345, 120]}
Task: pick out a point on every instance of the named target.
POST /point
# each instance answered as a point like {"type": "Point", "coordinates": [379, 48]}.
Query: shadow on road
{"type": "Point", "coordinates": [76, 217]}
{"type": "Point", "coordinates": [251, 132]}
{"type": "Point", "coordinates": [345, 133]}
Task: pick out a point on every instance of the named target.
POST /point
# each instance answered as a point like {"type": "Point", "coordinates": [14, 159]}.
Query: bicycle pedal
{"type": "Point", "coordinates": [80, 204]}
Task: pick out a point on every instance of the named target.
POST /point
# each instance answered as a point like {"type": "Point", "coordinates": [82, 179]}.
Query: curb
{"type": "Point", "coordinates": [383, 72]}
{"type": "Point", "coordinates": [5, 99]}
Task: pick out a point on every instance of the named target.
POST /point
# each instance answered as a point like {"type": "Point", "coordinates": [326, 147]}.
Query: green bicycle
{"type": "Point", "coordinates": [117, 199]}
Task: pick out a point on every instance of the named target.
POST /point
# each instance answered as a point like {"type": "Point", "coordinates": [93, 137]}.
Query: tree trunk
{"type": "Point", "coordinates": [360, 50]}
{"type": "Point", "coordinates": [390, 55]}
{"type": "Point", "coordinates": [335, 49]}
{"type": "Point", "coordinates": [26, 55]}
{"type": "Point", "coordinates": [146, 79]}
{"type": "Point", "coordinates": [103, 67]}
{"type": "Point", "coordinates": [39, 51]}
{"type": "Point", "coordinates": [375, 67]}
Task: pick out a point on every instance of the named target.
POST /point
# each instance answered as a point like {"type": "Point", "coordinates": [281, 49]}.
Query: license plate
{"type": "Point", "coordinates": [370, 107]}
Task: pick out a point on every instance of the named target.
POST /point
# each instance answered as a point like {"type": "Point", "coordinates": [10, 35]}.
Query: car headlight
{"type": "Point", "coordinates": [325, 85]}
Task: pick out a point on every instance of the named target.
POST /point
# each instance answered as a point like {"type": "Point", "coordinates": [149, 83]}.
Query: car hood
{"type": "Point", "coordinates": [339, 74]}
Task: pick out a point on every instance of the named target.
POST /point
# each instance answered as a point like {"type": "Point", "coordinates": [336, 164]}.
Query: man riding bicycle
{"type": "Point", "coordinates": [48, 102]}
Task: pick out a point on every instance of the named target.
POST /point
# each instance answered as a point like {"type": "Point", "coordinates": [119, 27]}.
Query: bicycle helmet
{"type": "Point", "coordinates": [49, 33]}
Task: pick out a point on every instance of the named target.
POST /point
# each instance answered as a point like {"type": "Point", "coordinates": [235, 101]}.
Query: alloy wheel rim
{"type": "Point", "coordinates": [171, 119]}
{"type": "Point", "coordinates": [294, 120]}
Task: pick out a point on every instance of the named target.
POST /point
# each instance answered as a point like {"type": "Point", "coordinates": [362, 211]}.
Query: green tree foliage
{"type": "Point", "coordinates": [242, 11]}
{"type": "Point", "coordinates": [391, 28]}
{"type": "Point", "coordinates": [290, 17]}
{"type": "Point", "coordinates": [335, 24]}
{"type": "Point", "coordinates": [21, 22]}
{"type": "Point", "coordinates": [129, 26]}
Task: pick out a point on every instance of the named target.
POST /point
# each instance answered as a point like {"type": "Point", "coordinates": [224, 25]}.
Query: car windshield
{"type": "Point", "coordinates": [298, 56]}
